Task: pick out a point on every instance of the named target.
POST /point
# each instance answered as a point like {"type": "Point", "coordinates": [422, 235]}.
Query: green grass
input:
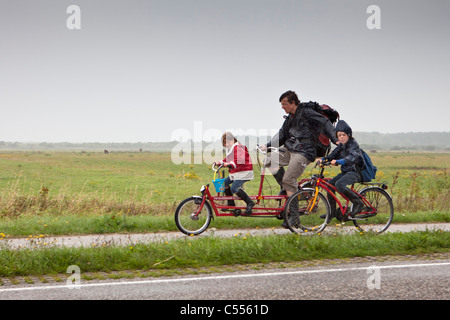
{"type": "Point", "coordinates": [50, 225]}
{"type": "Point", "coordinates": [123, 178]}
{"type": "Point", "coordinates": [138, 183]}
{"type": "Point", "coordinates": [199, 252]}
{"type": "Point", "coordinates": [68, 193]}
{"type": "Point", "coordinates": [58, 193]}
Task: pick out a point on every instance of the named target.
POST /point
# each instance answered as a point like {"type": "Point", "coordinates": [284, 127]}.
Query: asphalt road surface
{"type": "Point", "coordinates": [416, 278]}
{"type": "Point", "coordinates": [231, 293]}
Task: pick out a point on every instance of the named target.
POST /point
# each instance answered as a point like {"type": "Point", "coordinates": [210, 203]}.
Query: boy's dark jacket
{"type": "Point", "coordinates": [300, 132]}
{"type": "Point", "coordinates": [350, 151]}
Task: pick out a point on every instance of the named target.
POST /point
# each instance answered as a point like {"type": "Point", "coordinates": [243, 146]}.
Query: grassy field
{"type": "Point", "coordinates": [62, 193]}
{"type": "Point", "coordinates": [78, 192]}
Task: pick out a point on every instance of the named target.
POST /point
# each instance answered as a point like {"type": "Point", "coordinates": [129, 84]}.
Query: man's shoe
{"type": "Point", "coordinates": [294, 216]}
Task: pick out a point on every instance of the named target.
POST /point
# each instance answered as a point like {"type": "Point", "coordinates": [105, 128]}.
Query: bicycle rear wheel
{"type": "Point", "coordinates": [379, 220]}
{"type": "Point", "coordinates": [187, 219]}
{"type": "Point", "coordinates": [310, 210]}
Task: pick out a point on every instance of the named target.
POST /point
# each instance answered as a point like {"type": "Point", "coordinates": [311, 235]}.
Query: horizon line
{"type": "Point", "coordinates": [170, 141]}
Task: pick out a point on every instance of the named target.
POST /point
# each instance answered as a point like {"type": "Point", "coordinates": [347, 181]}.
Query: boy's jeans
{"type": "Point", "coordinates": [341, 181]}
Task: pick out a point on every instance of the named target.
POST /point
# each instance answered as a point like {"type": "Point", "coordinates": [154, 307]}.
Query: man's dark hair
{"type": "Point", "coordinates": [291, 96]}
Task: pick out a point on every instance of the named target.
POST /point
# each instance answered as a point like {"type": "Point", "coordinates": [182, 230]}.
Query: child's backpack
{"type": "Point", "coordinates": [323, 145]}
{"type": "Point", "coordinates": [369, 171]}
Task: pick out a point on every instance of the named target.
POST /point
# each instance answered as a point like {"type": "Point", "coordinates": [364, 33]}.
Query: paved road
{"type": "Point", "coordinates": [412, 279]}
{"type": "Point", "coordinates": [407, 279]}
{"type": "Point", "coordinates": [129, 239]}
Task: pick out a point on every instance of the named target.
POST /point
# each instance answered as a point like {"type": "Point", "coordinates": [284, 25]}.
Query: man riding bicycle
{"type": "Point", "coordinates": [299, 135]}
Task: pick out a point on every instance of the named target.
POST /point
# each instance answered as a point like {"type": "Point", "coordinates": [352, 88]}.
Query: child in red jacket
{"type": "Point", "coordinates": [241, 170]}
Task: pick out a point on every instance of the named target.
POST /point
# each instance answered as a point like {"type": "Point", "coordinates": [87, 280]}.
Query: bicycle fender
{"type": "Point", "coordinates": [371, 187]}
{"type": "Point", "coordinates": [200, 198]}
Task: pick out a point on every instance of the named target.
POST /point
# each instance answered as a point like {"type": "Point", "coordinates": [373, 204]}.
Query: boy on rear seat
{"type": "Point", "coordinates": [348, 155]}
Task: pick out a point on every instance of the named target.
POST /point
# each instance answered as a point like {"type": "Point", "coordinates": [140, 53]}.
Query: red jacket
{"type": "Point", "coordinates": [239, 158]}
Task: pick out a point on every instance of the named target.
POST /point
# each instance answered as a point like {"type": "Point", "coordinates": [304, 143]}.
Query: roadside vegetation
{"type": "Point", "coordinates": [80, 193]}
{"type": "Point", "coordinates": [75, 193]}
{"type": "Point", "coordinates": [169, 257]}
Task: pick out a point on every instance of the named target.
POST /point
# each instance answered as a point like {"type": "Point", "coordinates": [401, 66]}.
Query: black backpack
{"type": "Point", "coordinates": [323, 145]}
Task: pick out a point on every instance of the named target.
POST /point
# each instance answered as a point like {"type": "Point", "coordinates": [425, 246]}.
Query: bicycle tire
{"type": "Point", "coordinates": [382, 219]}
{"type": "Point", "coordinates": [186, 220]}
{"type": "Point", "coordinates": [308, 221]}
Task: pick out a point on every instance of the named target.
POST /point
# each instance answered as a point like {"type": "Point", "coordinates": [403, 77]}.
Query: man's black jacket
{"type": "Point", "coordinates": [300, 132]}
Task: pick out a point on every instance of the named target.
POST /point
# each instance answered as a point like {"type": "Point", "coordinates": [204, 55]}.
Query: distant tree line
{"type": "Point", "coordinates": [411, 141]}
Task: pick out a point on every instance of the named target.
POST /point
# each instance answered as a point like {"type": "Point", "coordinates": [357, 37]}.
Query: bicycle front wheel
{"type": "Point", "coordinates": [379, 220]}
{"type": "Point", "coordinates": [188, 218]}
{"type": "Point", "coordinates": [305, 212]}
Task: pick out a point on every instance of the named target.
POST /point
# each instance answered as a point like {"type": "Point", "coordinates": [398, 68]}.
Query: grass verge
{"type": "Point", "coordinates": [26, 225]}
{"type": "Point", "coordinates": [201, 252]}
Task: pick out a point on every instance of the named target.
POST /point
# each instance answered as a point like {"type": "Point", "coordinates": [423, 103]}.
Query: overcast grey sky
{"type": "Point", "coordinates": [140, 70]}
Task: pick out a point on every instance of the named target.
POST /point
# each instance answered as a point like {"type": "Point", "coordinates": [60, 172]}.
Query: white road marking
{"type": "Point", "coordinates": [234, 276]}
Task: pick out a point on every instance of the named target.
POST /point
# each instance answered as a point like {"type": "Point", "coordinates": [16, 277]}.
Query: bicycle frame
{"type": "Point", "coordinates": [312, 200]}
{"type": "Point", "coordinates": [320, 183]}
{"type": "Point", "coordinates": [317, 181]}
{"type": "Point", "coordinates": [257, 211]}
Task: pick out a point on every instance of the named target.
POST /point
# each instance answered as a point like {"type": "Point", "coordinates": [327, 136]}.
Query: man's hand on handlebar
{"type": "Point", "coordinates": [262, 148]}
{"type": "Point", "coordinates": [265, 149]}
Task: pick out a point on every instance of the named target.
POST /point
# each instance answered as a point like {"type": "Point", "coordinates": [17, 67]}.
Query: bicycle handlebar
{"type": "Point", "coordinates": [272, 149]}
{"type": "Point", "coordinates": [219, 166]}
{"type": "Point", "coordinates": [323, 164]}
